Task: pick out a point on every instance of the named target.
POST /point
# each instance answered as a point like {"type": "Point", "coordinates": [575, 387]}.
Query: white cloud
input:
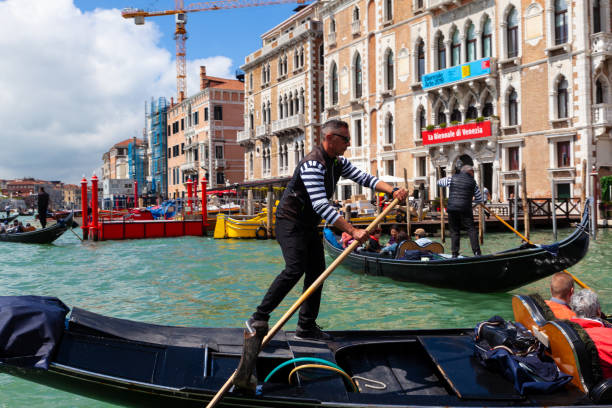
{"type": "Point", "coordinates": [72, 84]}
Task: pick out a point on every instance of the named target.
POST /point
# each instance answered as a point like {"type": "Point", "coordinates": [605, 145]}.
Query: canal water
{"type": "Point", "coordinates": [199, 281]}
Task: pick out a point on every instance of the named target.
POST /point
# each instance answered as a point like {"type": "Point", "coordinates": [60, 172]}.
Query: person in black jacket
{"type": "Point", "coordinates": [304, 202]}
{"type": "Point", "coordinates": [43, 205]}
{"type": "Point", "coordinates": [463, 188]}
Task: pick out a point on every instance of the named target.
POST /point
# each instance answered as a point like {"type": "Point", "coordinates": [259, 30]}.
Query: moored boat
{"type": "Point", "coordinates": [497, 272]}
{"type": "Point", "coordinates": [40, 236]}
{"type": "Point", "coordinates": [237, 226]}
{"type": "Point", "coordinates": [138, 364]}
{"type": "Point", "coordinates": [9, 218]}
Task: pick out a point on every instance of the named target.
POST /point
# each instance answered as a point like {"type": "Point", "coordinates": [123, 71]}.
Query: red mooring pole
{"type": "Point", "coordinates": [84, 214]}
{"type": "Point", "coordinates": [135, 194]}
{"type": "Point", "coordinates": [189, 193]}
{"type": "Point", "coordinates": [204, 208]}
{"type": "Point", "coordinates": [94, 208]}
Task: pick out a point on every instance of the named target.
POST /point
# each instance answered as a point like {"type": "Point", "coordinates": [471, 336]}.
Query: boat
{"type": "Point", "coordinates": [8, 219]}
{"type": "Point", "coordinates": [43, 235]}
{"type": "Point", "coordinates": [243, 226]}
{"type": "Point", "coordinates": [497, 272]}
{"type": "Point", "coordinates": [138, 364]}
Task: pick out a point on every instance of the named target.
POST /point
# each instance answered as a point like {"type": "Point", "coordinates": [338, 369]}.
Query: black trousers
{"type": "Point", "coordinates": [304, 255]}
{"type": "Point", "coordinates": [457, 220]}
{"type": "Point", "coordinates": [42, 216]}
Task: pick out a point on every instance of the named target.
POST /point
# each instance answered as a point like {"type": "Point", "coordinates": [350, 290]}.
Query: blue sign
{"type": "Point", "coordinates": [457, 73]}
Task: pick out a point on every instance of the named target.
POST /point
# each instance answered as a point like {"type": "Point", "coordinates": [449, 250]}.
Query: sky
{"type": "Point", "coordinates": [75, 75]}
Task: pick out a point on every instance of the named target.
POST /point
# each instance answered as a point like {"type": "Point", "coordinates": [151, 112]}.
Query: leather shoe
{"type": "Point", "coordinates": [312, 333]}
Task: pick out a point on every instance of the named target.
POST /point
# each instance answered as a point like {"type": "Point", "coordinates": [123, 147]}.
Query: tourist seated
{"type": "Point", "coordinates": [373, 243]}
{"type": "Point", "coordinates": [588, 311]}
{"type": "Point", "coordinates": [17, 227]}
{"type": "Point", "coordinates": [391, 250]}
{"type": "Point", "coordinates": [29, 227]}
{"type": "Point", "coordinates": [420, 238]}
{"type": "Point", "coordinates": [393, 232]}
{"type": "Point", "coordinates": [347, 239]}
{"type": "Point", "coordinates": [561, 291]}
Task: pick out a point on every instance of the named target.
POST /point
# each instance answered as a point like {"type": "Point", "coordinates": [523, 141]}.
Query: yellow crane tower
{"type": "Point", "coordinates": [180, 33]}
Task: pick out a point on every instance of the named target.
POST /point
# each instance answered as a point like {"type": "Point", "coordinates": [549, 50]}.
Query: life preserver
{"type": "Point", "coordinates": [399, 217]}
{"type": "Point", "coordinates": [261, 233]}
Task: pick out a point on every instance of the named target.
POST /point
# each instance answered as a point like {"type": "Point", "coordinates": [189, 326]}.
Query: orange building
{"type": "Point", "coordinates": [202, 135]}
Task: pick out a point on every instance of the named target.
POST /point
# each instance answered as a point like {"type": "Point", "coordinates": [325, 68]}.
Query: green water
{"type": "Point", "coordinates": [195, 281]}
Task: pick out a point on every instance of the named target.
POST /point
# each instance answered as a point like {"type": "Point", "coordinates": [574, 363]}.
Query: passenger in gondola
{"type": "Point", "coordinates": [588, 311]}
{"type": "Point", "coordinates": [395, 229]}
{"type": "Point", "coordinates": [561, 291]}
{"type": "Point", "coordinates": [17, 227]}
{"type": "Point", "coordinates": [421, 238]}
{"type": "Point", "coordinates": [373, 243]}
{"type": "Point", "coordinates": [29, 227]}
{"type": "Point", "coordinates": [391, 250]}
{"type": "Point", "coordinates": [347, 239]}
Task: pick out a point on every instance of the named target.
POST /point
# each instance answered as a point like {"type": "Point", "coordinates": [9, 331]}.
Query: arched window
{"type": "Point", "coordinates": [441, 52]}
{"type": "Point", "coordinates": [388, 10]}
{"type": "Point", "coordinates": [562, 98]}
{"type": "Point", "coordinates": [389, 70]}
{"type": "Point", "coordinates": [456, 49]}
{"type": "Point", "coordinates": [263, 111]}
{"type": "Point", "coordinates": [422, 120]}
{"type": "Point", "coordinates": [251, 163]}
{"type": "Point", "coordinates": [280, 107]}
{"type": "Point", "coordinates": [470, 51]}
{"type": "Point", "coordinates": [560, 21]}
{"type": "Point", "coordinates": [332, 25]}
{"type": "Point", "coordinates": [390, 129]}
{"type": "Point", "coordinates": [321, 54]}
{"type": "Point", "coordinates": [356, 14]}
{"type": "Point", "coordinates": [512, 33]}
{"type": "Point", "coordinates": [512, 108]}
{"type": "Point", "coordinates": [268, 73]}
{"type": "Point", "coordinates": [302, 101]}
{"type": "Point", "coordinates": [456, 115]}
{"type": "Point", "coordinates": [472, 112]}
{"type": "Point", "coordinates": [487, 109]}
{"type": "Point", "coordinates": [440, 116]}
{"type": "Point", "coordinates": [301, 57]}
{"type": "Point", "coordinates": [269, 112]}
{"type": "Point", "coordinates": [290, 102]}
{"type": "Point", "coordinates": [358, 77]}
{"type": "Point", "coordinates": [322, 97]}
{"type": "Point", "coordinates": [334, 84]}
{"type": "Point", "coordinates": [599, 92]}
{"type": "Point", "coordinates": [420, 60]}
{"type": "Point", "coordinates": [596, 16]}
{"type": "Point", "coordinates": [487, 38]}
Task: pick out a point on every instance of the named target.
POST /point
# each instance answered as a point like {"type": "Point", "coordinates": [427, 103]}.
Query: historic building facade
{"type": "Point", "coordinates": [427, 84]}
{"type": "Point", "coordinates": [283, 85]}
{"type": "Point", "coordinates": [202, 135]}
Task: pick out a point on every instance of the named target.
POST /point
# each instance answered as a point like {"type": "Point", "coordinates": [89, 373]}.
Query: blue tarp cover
{"type": "Point", "coordinates": [30, 329]}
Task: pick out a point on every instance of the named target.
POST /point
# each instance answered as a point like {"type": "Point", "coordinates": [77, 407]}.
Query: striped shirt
{"type": "Point", "coordinates": [446, 182]}
{"type": "Point", "coordinates": [313, 175]}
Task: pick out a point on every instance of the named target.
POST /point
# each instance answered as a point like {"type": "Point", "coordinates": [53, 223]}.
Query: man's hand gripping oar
{"type": "Point", "coordinates": [315, 285]}
{"type": "Point", "coordinates": [578, 281]}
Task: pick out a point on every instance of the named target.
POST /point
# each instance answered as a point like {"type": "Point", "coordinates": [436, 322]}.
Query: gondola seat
{"type": "Point", "coordinates": [434, 247]}
{"type": "Point", "coordinates": [568, 344]}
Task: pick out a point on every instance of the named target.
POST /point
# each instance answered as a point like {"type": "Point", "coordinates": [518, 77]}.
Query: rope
{"type": "Point", "coordinates": [300, 359]}
{"type": "Point", "coordinates": [380, 385]}
{"type": "Point", "coordinates": [77, 235]}
{"type": "Point", "coordinates": [325, 367]}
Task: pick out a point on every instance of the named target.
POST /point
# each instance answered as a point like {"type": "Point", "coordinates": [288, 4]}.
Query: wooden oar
{"type": "Point", "coordinates": [578, 281]}
{"type": "Point", "coordinates": [315, 285]}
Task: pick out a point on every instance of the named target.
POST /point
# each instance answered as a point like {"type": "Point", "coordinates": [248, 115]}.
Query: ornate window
{"type": "Point", "coordinates": [596, 16]}
{"type": "Point", "coordinates": [456, 115]}
{"type": "Point", "coordinates": [388, 10]}
{"type": "Point", "coordinates": [420, 60]}
{"type": "Point", "coordinates": [356, 14]}
{"type": "Point", "coordinates": [472, 112]}
{"type": "Point", "coordinates": [389, 129]}
{"type": "Point", "coordinates": [389, 70]}
{"type": "Point", "coordinates": [512, 108]}
{"type": "Point", "coordinates": [487, 38]}
{"type": "Point", "coordinates": [456, 49]}
{"type": "Point", "coordinates": [422, 120]}
{"type": "Point", "coordinates": [512, 33]}
{"type": "Point", "coordinates": [441, 52]}
{"type": "Point", "coordinates": [599, 92]}
{"type": "Point", "coordinates": [560, 21]}
{"type": "Point", "coordinates": [470, 50]}
{"type": "Point", "coordinates": [562, 99]}
{"type": "Point", "coordinates": [440, 116]}
{"type": "Point", "coordinates": [358, 77]}
{"type": "Point", "coordinates": [487, 109]}
{"type": "Point", "coordinates": [334, 84]}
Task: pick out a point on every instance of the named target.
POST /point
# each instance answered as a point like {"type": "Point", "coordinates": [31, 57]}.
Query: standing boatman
{"type": "Point", "coordinates": [43, 204]}
{"type": "Point", "coordinates": [304, 202]}
{"type": "Point", "coordinates": [463, 188]}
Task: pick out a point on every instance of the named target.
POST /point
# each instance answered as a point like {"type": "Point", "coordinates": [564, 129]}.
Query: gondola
{"type": "Point", "coordinates": [8, 219]}
{"type": "Point", "coordinates": [40, 236]}
{"type": "Point", "coordinates": [497, 272]}
{"type": "Point", "coordinates": [143, 365]}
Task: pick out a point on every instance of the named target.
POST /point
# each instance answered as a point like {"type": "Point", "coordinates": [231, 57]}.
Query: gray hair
{"type": "Point", "coordinates": [466, 168]}
{"type": "Point", "coordinates": [334, 124]}
{"type": "Point", "coordinates": [585, 304]}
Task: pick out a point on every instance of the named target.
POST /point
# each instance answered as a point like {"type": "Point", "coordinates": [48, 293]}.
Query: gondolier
{"type": "Point", "coordinates": [303, 204]}
{"type": "Point", "coordinates": [463, 188]}
{"type": "Point", "coordinates": [43, 204]}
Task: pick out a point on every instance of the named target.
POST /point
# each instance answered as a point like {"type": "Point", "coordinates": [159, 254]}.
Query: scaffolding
{"type": "Point", "coordinates": [137, 162]}
{"type": "Point", "coordinates": [158, 142]}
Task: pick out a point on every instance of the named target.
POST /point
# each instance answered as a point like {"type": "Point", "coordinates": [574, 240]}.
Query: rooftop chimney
{"type": "Point", "coordinates": [203, 79]}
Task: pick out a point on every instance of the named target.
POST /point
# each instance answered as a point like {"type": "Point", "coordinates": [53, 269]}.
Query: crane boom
{"type": "Point", "coordinates": [180, 33]}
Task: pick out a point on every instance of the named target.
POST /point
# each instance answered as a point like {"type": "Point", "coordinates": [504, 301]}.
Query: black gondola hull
{"type": "Point", "coordinates": [40, 236]}
{"type": "Point", "coordinates": [496, 272]}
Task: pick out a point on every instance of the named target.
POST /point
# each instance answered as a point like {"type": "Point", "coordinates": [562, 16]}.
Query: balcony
{"type": "Point", "coordinates": [288, 124]}
{"type": "Point", "coordinates": [482, 69]}
{"type": "Point", "coordinates": [189, 167]}
{"type": "Point", "coordinates": [219, 163]}
{"type": "Point", "coordinates": [355, 27]}
{"type": "Point", "coordinates": [244, 135]}
{"type": "Point", "coordinates": [262, 131]}
{"type": "Point", "coordinates": [441, 5]}
{"type": "Point", "coordinates": [601, 44]}
{"type": "Point", "coordinates": [331, 39]}
{"type": "Point", "coordinates": [602, 114]}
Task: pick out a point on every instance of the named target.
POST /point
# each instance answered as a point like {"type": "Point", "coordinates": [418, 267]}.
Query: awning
{"type": "Point", "coordinates": [221, 192]}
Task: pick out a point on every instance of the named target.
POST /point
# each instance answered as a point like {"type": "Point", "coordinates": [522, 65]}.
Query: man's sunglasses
{"type": "Point", "coordinates": [345, 138]}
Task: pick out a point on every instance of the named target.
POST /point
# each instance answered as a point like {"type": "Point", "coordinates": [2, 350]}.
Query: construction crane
{"type": "Point", "coordinates": [180, 33]}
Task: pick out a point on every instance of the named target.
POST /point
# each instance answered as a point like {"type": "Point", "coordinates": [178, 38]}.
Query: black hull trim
{"type": "Point", "coordinates": [41, 236]}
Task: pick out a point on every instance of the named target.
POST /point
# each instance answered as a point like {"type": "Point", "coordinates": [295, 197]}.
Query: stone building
{"type": "Point", "coordinates": [426, 84]}
{"type": "Point", "coordinates": [283, 84]}
{"type": "Point", "coordinates": [202, 135]}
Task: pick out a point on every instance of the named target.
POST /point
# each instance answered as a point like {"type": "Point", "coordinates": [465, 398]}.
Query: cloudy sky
{"type": "Point", "coordinates": [74, 75]}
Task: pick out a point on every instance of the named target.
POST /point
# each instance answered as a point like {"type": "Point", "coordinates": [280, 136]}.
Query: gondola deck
{"type": "Point", "coordinates": [497, 272]}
